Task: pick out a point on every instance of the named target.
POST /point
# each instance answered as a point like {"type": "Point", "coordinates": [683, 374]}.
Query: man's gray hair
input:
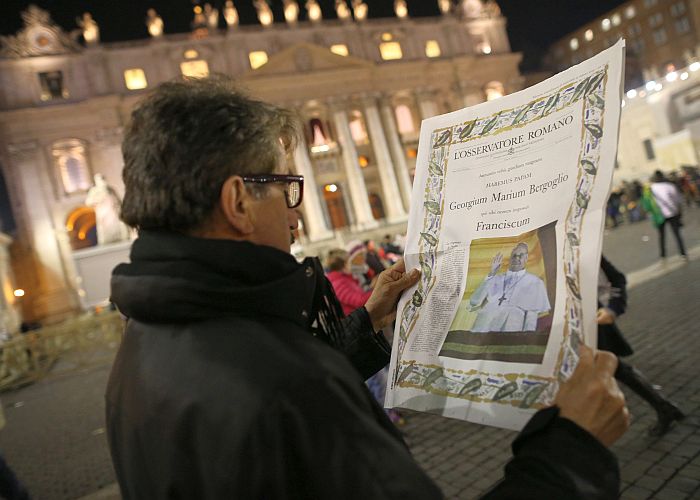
{"type": "Point", "coordinates": [185, 139]}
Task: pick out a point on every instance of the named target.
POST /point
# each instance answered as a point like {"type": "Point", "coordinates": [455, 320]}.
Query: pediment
{"type": "Point", "coordinates": [307, 58]}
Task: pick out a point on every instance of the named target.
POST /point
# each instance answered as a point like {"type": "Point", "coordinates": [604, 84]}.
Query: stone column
{"type": "Point", "coordinates": [316, 226]}
{"type": "Point", "coordinates": [54, 294]}
{"type": "Point", "coordinates": [353, 174]}
{"type": "Point", "coordinates": [10, 318]}
{"type": "Point", "coordinates": [397, 152]}
{"type": "Point", "coordinates": [427, 104]}
{"type": "Point", "coordinates": [385, 166]}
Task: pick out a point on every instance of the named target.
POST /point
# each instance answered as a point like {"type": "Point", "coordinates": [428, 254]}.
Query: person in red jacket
{"type": "Point", "coordinates": [348, 290]}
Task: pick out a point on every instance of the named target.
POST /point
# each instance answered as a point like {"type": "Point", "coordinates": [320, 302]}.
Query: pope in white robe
{"type": "Point", "coordinates": [510, 301]}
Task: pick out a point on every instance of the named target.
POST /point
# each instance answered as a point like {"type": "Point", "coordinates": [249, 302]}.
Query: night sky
{"type": "Point", "coordinates": [532, 24]}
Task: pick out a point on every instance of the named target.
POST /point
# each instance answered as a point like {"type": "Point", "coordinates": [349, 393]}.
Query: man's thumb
{"type": "Point", "coordinates": [410, 278]}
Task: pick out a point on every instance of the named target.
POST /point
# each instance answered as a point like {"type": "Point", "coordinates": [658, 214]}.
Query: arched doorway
{"type": "Point", "coordinates": [333, 196]}
{"type": "Point", "coordinates": [81, 228]}
{"type": "Point", "coordinates": [375, 202]}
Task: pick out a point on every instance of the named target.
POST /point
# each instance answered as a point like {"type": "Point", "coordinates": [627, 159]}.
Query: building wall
{"type": "Point", "coordinates": [668, 120]}
{"type": "Point", "coordinates": [659, 34]}
{"type": "Point", "coordinates": [76, 125]}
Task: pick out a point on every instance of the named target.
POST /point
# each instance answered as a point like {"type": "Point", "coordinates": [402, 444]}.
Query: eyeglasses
{"type": "Point", "coordinates": [294, 185]}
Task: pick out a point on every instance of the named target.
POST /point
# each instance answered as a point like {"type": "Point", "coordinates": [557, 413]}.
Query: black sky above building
{"type": "Point", "coordinates": [532, 24]}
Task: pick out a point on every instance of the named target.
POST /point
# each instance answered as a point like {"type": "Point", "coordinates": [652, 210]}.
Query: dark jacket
{"type": "Point", "coordinates": [220, 391]}
{"type": "Point", "coordinates": [610, 337]}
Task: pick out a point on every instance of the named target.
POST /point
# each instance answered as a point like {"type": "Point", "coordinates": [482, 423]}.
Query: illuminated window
{"type": "Point", "coordinates": [135, 79]}
{"type": "Point", "coordinates": [363, 161]}
{"type": "Point", "coordinates": [605, 24]}
{"type": "Point", "coordinates": [52, 86]}
{"type": "Point", "coordinates": [257, 58]}
{"type": "Point", "coordinates": [573, 44]}
{"type": "Point", "coordinates": [69, 158]}
{"type": "Point", "coordinates": [494, 90]}
{"type": "Point", "coordinates": [194, 69]}
{"type": "Point", "coordinates": [357, 128]}
{"type": "Point", "coordinates": [432, 48]}
{"type": "Point", "coordinates": [341, 49]}
{"type": "Point", "coordinates": [191, 54]}
{"type": "Point", "coordinates": [412, 152]}
{"type": "Point", "coordinates": [390, 50]}
{"type": "Point", "coordinates": [588, 35]}
{"type": "Point", "coordinates": [616, 20]}
{"type": "Point", "coordinates": [387, 37]}
{"type": "Point", "coordinates": [404, 119]}
{"type": "Point", "coordinates": [630, 12]}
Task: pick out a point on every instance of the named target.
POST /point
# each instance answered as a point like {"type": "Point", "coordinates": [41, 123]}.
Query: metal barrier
{"type": "Point", "coordinates": [72, 345]}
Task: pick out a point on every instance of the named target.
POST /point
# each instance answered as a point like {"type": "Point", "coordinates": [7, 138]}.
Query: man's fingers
{"type": "Point", "coordinates": [399, 266]}
{"type": "Point", "coordinates": [605, 362]}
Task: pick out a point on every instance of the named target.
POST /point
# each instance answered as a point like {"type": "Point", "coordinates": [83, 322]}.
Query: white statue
{"type": "Point", "coordinates": [314, 10]}
{"type": "Point", "coordinates": [199, 21]}
{"type": "Point", "coordinates": [106, 204]}
{"type": "Point", "coordinates": [445, 6]}
{"type": "Point", "coordinates": [342, 10]}
{"type": "Point", "coordinates": [154, 23]}
{"type": "Point", "coordinates": [359, 9]}
{"type": "Point", "coordinates": [212, 16]}
{"type": "Point", "coordinates": [491, 9]}
{"type": "Point", "coordinates": [264, 12]}
{"type": "Point", "coordinates": [401, 9]}
{"type": "Point", "coordinates": [230, 14]}
{"type": "Point", "coordinates": [291, 11]}
{"type": "Point", "coordinates": [471, 9]}
{"type": "Point", "coordinates": [91, 31]}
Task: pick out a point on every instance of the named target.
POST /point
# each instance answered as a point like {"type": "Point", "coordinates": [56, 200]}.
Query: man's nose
{"type": "Point", "coordinates": [293, 218]}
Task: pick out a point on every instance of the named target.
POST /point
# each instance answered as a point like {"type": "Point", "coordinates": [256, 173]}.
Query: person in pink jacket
{"type": "Point", "coordinates": [348, 290]}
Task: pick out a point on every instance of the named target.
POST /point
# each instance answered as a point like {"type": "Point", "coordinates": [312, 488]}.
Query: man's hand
{"type": "Point", "coordinates": [592, 399]}
{"type": "Point", "coordinates": [605, 316]}
{"type": "Point", "coordinates": [381, 305]}
{"type": "Point", "coordinates": [496, 264]}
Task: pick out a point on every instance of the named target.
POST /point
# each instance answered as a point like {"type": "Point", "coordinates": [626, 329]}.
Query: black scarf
{"type": "Point", "coordinates": [173, 278]}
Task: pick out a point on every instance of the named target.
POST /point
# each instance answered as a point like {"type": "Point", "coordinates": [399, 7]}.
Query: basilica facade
{"type": "Point", "coordinates": [362, 86]}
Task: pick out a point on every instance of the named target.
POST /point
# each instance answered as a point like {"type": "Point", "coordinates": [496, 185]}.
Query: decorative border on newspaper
{"type": "Point", "coordinates": [517, 389]}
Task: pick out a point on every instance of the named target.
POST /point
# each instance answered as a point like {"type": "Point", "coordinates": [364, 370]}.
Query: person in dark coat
{"type": "Point", "coordinates": [612, 302]}
{"type": "Point", "coordinates": [238, 376]}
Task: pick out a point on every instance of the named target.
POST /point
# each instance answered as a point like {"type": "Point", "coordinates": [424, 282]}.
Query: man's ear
{"type": "Point", "coordinates": [235, 204]}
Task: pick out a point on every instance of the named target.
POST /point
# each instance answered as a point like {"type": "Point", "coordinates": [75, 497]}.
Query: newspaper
{"type": "Point", "coordinates": [506, 225]}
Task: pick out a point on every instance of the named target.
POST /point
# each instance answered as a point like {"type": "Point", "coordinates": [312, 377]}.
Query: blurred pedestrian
{"type": "Point", "coordinates": [669, 201]}
{"type": "Point", "coordinates": [374, 261]}
{"type": "Point", "coordinates": [237, 376]}
{"type": "Point", "coordinates": [351, 294]}
{"type": "Point", "coordinates": [357, 264]}
{"type": "Point", "coordinates": [612, 302]}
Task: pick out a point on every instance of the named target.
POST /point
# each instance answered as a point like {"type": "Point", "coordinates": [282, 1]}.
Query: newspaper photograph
{"type": "Point", "coordinates": [506, 225]}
